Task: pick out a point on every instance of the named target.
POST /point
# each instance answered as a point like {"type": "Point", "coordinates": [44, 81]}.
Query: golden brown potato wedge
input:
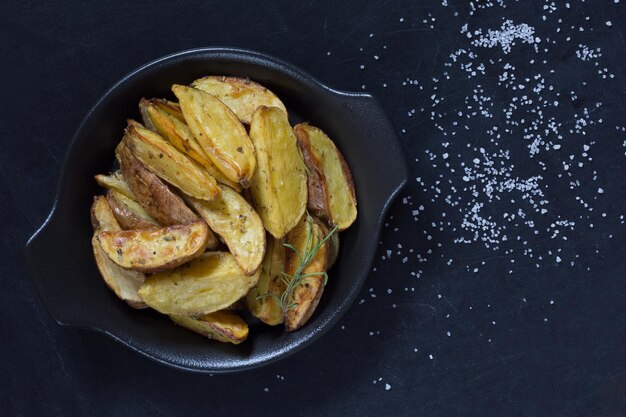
{"type": "Point", "coordinates": [171, 108]}
{"type": "Point", "coordinates": [305, 297]}
{"type": "Point", "coordinates": [223, 326]}
{"type": "Point", "coordinates": [122, 282]}
{"type": "Point", "coordinates": [152, 193]}
{"type": "Point", "coordinates": [262, 299]}
{"type": "Point", "coordinates": [167, 162]}
{"type": "Point", "coordinates": [239, 226]}
{"type": "Point", "coordinates": [209, 283]}
{"type": "Point", "coordinates": [128, 212]}
{"type": "Point", "coordinates": [333, 197]}
{"type": "Point", "coordinates": [278, 187]}
{"type": "Point", "coordinates": [178, 134]}
{"type": "Point", "coordinates": [102, 217]}
{"type": "Point", "coordinates": [241, 95]}
{"type": "Point", "coordinates": [155, 249]}
{"type": "Point", "coordinates": [115, 181]}
{"type": "Point", "coordinates": [220, 133]}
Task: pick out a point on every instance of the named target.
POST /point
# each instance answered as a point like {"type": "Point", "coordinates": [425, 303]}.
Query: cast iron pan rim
{"type": "Point", "coordinates": [289, 71]}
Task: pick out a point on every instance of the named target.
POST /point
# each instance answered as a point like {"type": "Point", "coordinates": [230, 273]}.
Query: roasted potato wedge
{"type": "Point", "coordinates": [241, 95]}
{"type": "Point", "coordinates": [220, 133]}
{"type": "Point", "coordinates": [122, 282]}
{"type": "Point", "coordinates": [209, 283]}
{"type": "Point", "coordinates": [279, 188]}
{"type": "Point", "coordinates": [167, 162]}
{"type": "Point", "coordinates": [232, 218]}
{"type": "Point", "coordinates": [169, 107]}
{"type": "Point", "coordinates": [178, 134]}
{"type": "Point", "coordinates": [261, 300]}
{"type": "Point", "coordinates": [155, 249]}
{"type": "Point", "coordinates": [128, 212]}
{"type": "Point", "coordinates": [330, 185]}
{"type": "Point", "coordinates": [102, 217]}
{"type": "Point", "coordinates": [223, 326]}
{"type": "Point", "coordinates": [152, 193]}
{"type": "Point", "coordinates": [115, 181]}
{"type": "Point", "coordinates": [305, 236]}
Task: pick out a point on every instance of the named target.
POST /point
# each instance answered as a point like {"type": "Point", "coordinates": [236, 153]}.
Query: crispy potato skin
{"type": "Point", "coordinates": [337, 203]}
{"type": "Point", "coordinates": [260, 300]}
{"type": "Point", "coordinates": [155, 249]}
{"type": "Point", "coordinates": [239, 226]}
{"type": "Point", "coordinates": [306, 295]}
{"type": "Point", "coordinates": [152, 193]}
{"type": "Point", "coordinates": [170, 164]}
{"type": "Point", "coordinates": [128, 217]}
{"type": "Point", "coordinates": [241, 95]}
{"type": "Point", "coordinates": [318, 202]}
{"type": "Point", "coordinates": [223, 326]}
{"type": "Point", "coordinates": [279, 188]}
{"type": "Point", "coordinates": [220, 133]}
{"type": "Point", "coordinates": [209, 283]}
{"type": "Point", "coordinates": [122, 282]}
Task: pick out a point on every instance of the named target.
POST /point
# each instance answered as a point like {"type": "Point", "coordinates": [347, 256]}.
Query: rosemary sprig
{"type": "Point", "coordinates": [304, 259]}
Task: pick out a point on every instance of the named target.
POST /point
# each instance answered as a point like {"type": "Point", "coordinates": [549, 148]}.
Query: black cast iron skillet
{"type": "Point", "coordinates": [60, 255]}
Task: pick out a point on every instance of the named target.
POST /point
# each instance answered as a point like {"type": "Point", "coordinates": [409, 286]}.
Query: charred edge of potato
{"type": "Point", "coordinates": [151, 192]}
{"type": "Point", "coordinates": [123, 283]}
{"type": "Point", "coordinates": [262, 299]}
{"type": "Point", "coordinates": [318, 202]}
{"type": "Point", "coordinates": [307, 294]}
{"type": "Point", "coordinates": [209, 283]}
{"type": "Point", "coordinates": [279, 187]}
{"type": "Point", "coordinates": [242, 95]}
{"type": "Point", "coordinates": [232, 218]}
{"type": "Point", "coordinates": [220, 133]}
{"type": "Point", "coordinates": [222, 326]}
{"type": "Point", "coordinates": [167, 162]}
{"type": "Point", "coordinates": [128, 215]}
{"type": "Point", "coordinates": [155, 249]}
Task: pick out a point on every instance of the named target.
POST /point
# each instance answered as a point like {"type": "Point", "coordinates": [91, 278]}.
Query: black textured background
{"type": "Point", "coordinates": [60, 56]}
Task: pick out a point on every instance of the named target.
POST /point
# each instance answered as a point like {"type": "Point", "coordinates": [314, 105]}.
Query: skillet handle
{"type": "Point", "coordinates": [40, 252]}
{"type": "Point", "coordinates": [369, 118]}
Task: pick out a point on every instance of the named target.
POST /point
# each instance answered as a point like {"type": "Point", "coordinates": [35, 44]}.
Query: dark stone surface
{"type": "Point", "coordinates": [539, 358]}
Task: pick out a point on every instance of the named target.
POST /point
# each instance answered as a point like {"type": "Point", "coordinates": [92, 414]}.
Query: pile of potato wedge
{"type": "Point", "coordinates": [215, 203]}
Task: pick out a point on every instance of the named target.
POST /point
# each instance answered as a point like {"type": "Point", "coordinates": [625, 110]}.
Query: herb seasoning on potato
{"type": "Point", "coordinates": [267, 201]}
